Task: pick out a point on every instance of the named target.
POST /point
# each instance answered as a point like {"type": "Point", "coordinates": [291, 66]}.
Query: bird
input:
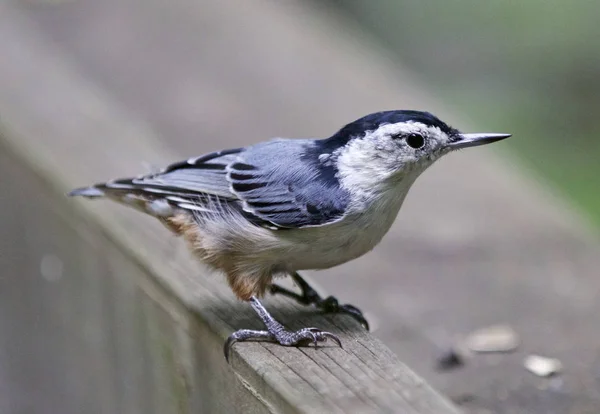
{"type": "Point", "coordinates": [286, 205]}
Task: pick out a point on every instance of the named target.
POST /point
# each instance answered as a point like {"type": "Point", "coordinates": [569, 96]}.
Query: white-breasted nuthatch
{"type": "Point", "coordinates": [285, 205]}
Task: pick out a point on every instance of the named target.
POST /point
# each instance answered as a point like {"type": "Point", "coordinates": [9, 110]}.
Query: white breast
{"type": "Point", "coordinates": [357, 234]}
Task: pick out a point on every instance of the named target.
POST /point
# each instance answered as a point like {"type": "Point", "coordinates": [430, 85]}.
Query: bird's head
{"type": "Point", "coordinates": [390, 145]}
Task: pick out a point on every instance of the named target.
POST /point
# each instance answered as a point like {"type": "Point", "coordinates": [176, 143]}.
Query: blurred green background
{"type": "Point", "coordinates": [530, 68]}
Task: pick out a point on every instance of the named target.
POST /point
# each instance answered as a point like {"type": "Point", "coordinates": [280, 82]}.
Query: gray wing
{"type": "Point", "coordinates": [277, 183]}
{"type": "Point", "coordinates": [195, 177]}
{"type": "Point", "coordinates": [283, 183]}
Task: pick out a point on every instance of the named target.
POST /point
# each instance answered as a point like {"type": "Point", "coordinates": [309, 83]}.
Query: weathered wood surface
{"type": "Point", "coordinates": [103, 311]}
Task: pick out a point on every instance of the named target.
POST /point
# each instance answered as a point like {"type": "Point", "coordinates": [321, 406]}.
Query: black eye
{"type": "Point", "coordinates": [415, 141]}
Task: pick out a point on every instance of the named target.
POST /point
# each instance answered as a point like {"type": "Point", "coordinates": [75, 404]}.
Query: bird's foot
{"type": "Point", "coordinates": [331, 305]}
{"type": "Point", "coordinates": [309, 296]}
{"type": "Point", "coordinates": [286, 338]}
{"type": "Point", "coordinates": [276, 332]}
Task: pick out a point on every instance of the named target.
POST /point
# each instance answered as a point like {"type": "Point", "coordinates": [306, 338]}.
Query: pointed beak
{"type": "Point", "coordinates": [474, 140]}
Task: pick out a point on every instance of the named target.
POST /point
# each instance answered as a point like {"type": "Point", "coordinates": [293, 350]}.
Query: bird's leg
{"type": "Point", "coordinates": [276, 332]}
{"type": "Point", "coordinates": [310, 296]}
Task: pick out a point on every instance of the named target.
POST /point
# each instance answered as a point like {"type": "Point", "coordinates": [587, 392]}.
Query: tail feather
{"type": "Point", "coordinates": [158, 201]}
{"type": "Point", "coordinates": [90, 192]}
{"type": "Point", "coordinates": [123, 192]}
{"type": "Point", "coordinates": [111, 189]}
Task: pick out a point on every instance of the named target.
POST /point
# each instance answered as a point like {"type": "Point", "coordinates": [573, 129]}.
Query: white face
{"type": "Point", "coordinates": [389, 154]}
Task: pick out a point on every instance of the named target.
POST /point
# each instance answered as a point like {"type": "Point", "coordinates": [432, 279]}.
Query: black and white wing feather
{"type": "Point", "coordinates": [278, 184]}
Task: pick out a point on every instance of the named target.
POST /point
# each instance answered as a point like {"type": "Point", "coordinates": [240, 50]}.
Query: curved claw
{"type": "Point", "coordinates": [227, 346]}
{"type": "Point", "coordinates": [314, 330]}
{"type": "Point", "coordinates": [323, 335]}
{"type": "Point", "coordinates": [243, 335]}
{"type": "Point", "coordinates": [331, 305]}
{"type": "Point", "coordinates": [356, 314]}
{"type": "Point", "coordinates": [333, 337]}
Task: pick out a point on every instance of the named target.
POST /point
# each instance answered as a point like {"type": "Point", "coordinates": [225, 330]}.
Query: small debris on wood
{"type": "Point", "coordinates": [496, 338]}
{"type": "Point", "coordinates": [449, 360]}
{"type": "Point", "coordinates": [542, 366]}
